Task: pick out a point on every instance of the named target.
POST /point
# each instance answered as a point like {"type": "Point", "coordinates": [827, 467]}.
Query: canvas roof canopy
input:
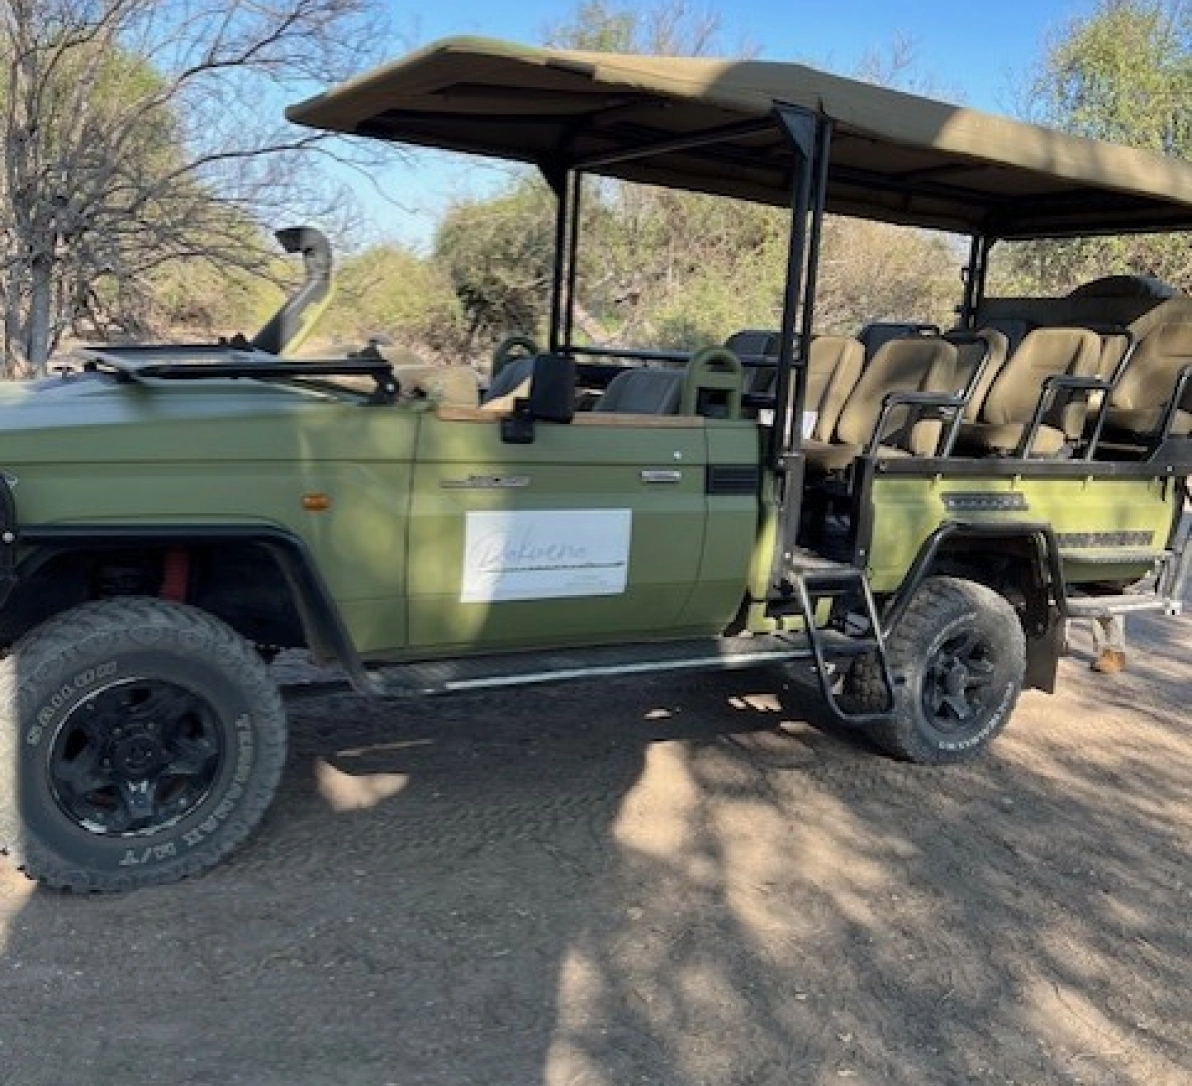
{"type": "Point", "coordinates": [894, 156]}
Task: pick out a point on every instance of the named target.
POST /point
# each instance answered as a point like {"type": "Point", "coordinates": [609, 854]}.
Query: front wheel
{"type": "Point", "coordinates": [958, 657]}
{"type": "Point", "coordinates": [140, 742]}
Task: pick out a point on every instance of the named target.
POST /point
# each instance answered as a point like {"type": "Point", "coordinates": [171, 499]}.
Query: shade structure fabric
{"type": "Point", "coordinates": [895, 157]}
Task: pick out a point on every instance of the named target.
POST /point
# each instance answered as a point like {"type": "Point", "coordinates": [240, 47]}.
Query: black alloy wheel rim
{"type": "Point", "coordinates": [959, 682]}
{"type": "Point", "coordinates": [135, 757]}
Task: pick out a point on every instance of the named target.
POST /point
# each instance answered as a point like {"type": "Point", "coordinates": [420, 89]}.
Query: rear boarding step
{"type": "Point", "coordinates": [815, 580]}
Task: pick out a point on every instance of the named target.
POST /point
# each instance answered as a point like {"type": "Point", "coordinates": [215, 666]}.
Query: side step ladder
{"type": "Point", "coordinates": [830, 581]}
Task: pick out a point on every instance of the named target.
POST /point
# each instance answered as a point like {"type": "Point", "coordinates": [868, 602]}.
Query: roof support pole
{"type": "Point", "coordinates": [810, 136]}
{"type": "Point", "coordinates": [577, 189]}
{"type": "Point", "coordinates": [974, 278]}
{"type": "Point", "coordinates": [559, 179]}
{"type": "Point", "coordinates": [800, 129]}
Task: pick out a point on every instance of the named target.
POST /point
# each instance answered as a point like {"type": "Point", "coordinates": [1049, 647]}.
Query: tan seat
{"type": "Point", "coordinates": [980, 356]}
{"type": "Point", "coordinates": [1015, 329]}
{"type": "Point", "coordinates": [991, 347]}
{"type": "Point", "coordinates": [1014, 395]}
{"type": "Point", "coordinates": [833, 368]}
{"type": "Point", "coordinates": [876, 334]}
{"type": "Point", "coordinates": [921, 364]}
{"type": "Point", "coordinates": [454, 386]}
{"type": "Point", "coordinates": [1146, 386]}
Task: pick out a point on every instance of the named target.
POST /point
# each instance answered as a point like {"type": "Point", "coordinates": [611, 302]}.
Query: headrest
{"type": "Point", "coordinates": [1126, 286]}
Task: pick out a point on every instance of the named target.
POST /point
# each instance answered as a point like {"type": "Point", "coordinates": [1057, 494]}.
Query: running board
{"type": "Point", "coordinates": [571, 665]}
{"type": "Point", "coordinates": [1131, 603]}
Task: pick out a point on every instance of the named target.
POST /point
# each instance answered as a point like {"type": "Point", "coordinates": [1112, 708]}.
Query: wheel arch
{"type": "Point", "coordinates": [1020, 561]}
{"type": "Point", "coordinates": [288, 603]}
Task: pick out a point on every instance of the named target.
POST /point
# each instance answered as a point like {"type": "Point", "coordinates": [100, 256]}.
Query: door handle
{"type": "Point", "coordinates": [651, 475]}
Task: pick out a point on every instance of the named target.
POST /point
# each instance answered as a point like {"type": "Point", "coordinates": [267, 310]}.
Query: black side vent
{"type": "Point", "coordinates": [733, 479]}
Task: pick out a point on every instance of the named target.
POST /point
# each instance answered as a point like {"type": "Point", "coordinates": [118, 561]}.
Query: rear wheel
{"type": "Point", "coordinates": [140, 742]}
{"type": "Point", "coordinates": [960, 655]}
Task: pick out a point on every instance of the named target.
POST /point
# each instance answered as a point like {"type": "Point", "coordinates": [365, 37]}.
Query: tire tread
{"type": "Point", "coordinates": [69, 634]}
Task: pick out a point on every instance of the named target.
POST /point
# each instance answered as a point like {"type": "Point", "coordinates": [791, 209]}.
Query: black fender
{"type": "Point", "coordinates": [1046, 604]}
{"type": "Point", "coordinates": [322, 624]}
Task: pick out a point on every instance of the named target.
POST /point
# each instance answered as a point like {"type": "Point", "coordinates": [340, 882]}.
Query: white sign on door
{"type": "Point", "coordinates": [545, 554]}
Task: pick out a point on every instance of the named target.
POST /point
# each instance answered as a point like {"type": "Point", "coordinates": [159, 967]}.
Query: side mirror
{"type": "Point", "coordinates": [551, 399]}
{"type": "Point", "coordinates": [552, 388]}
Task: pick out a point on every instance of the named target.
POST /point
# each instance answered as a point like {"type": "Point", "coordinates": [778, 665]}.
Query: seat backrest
{"type": "Point", "coordinates": [753, 343]}
{"type": "Point", "coordinates": [972, 348]}
{"type": "Point", "coordinates": [987, 348]}
{"type": "Point", "coordinates": [643, 392]}
{"type": "Point", "coordinates": [874, 335]}
{"type": "Point", "coordinates": [1043, 353]}
{"type": "Point", "coordinates": [1114, 345]}
{"type": "Point", "coordinates": [758, 351]}
{"type": "Point", "coordinates": [921, 364]}
{"type": "Point", "coordinates": [510, 384]}
{"type": "Point", "coordinates": [1149, 378]}
{"type": "Point", "coordinates": [1015, 329]}
{"type": "Point", "coordinates": [833, 367]}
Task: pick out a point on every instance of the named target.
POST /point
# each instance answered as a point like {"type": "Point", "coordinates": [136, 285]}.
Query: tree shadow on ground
{"type": "Point", "coordinates": [680, 882]}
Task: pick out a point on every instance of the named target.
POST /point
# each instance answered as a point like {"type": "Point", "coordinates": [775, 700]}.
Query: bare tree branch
{"type": "Point", "coordinates": [133, 137]}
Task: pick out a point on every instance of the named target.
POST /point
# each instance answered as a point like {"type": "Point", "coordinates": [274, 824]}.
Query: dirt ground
{"type": "Point", "coordinates": [677, 881]}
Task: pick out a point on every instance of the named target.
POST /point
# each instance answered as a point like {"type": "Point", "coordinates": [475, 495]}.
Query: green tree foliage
{"type": "Point", "coordinates": [1122, 74]}
{"type": "Point", "coordinates": [497, 255]}
{"type": "Point", "coordinates": [390, 293]}
{"type": "Point", "coordinates": [659, 267]}
{"type": "Point", "coordinates": [668, 28]}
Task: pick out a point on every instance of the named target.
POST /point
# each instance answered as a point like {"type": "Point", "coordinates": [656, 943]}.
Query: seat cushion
{"type": "Point", "coordinates": [825, 456]}
{"type": "Point", "coordinates": [901, 365]}
{"type": "Point", "coordinates": [1001, 439]}
{"type": "Point", "coordinates": [1146, 420]}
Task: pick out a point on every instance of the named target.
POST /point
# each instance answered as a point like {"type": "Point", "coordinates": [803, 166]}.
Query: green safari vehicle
{"type": "Point", "coordinates": [917, 524]}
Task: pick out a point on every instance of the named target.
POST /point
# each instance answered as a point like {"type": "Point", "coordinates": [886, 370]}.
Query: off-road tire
{"type": "Point", "coordinates": [141, 741]}
{"type": "Point", "coordinates": [959, 645]}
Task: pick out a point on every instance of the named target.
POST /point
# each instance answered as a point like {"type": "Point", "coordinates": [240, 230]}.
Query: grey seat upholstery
{"type": "Point", "coordinates": [876, 334]}
{"type": "Point", "coordinates": [758, 351]}
{"type": "Point", "coordinates": [1014, 395]}
{"type": "Point", "coordinates": [923, 364]}
{"type": "Point", "coordinates": [1146, 386]}
{"type": "Point", "coordinates": [643, 392]}
{"type": "Point", "coordinates": [754, 344]}
{"type": "Point", "coordinates": [512, 383]}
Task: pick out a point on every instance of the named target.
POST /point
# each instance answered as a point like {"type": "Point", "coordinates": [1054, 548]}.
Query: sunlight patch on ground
{"type": "Point", "coordinates": [348, 792]}
{"type": "Point", "coordinates": [15, 893]}
{"type": "Point", "coordinates": [660, 825]}
{"type": "Point", "coordinates": [757, 703]}
{"type": "Point", "coordinates": [1081, 1036]}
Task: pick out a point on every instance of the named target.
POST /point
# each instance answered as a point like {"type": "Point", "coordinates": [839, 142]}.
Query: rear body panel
{"type": "Point", "coordinates": [1108, 528]}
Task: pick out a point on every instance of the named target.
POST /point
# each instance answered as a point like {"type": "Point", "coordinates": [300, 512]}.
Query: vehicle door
{"type": "Point", "coordinates": [592, 532]}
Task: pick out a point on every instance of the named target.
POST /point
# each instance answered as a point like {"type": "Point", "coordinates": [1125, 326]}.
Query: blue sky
{"type": "Point", "coordinates": [976, 53]}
